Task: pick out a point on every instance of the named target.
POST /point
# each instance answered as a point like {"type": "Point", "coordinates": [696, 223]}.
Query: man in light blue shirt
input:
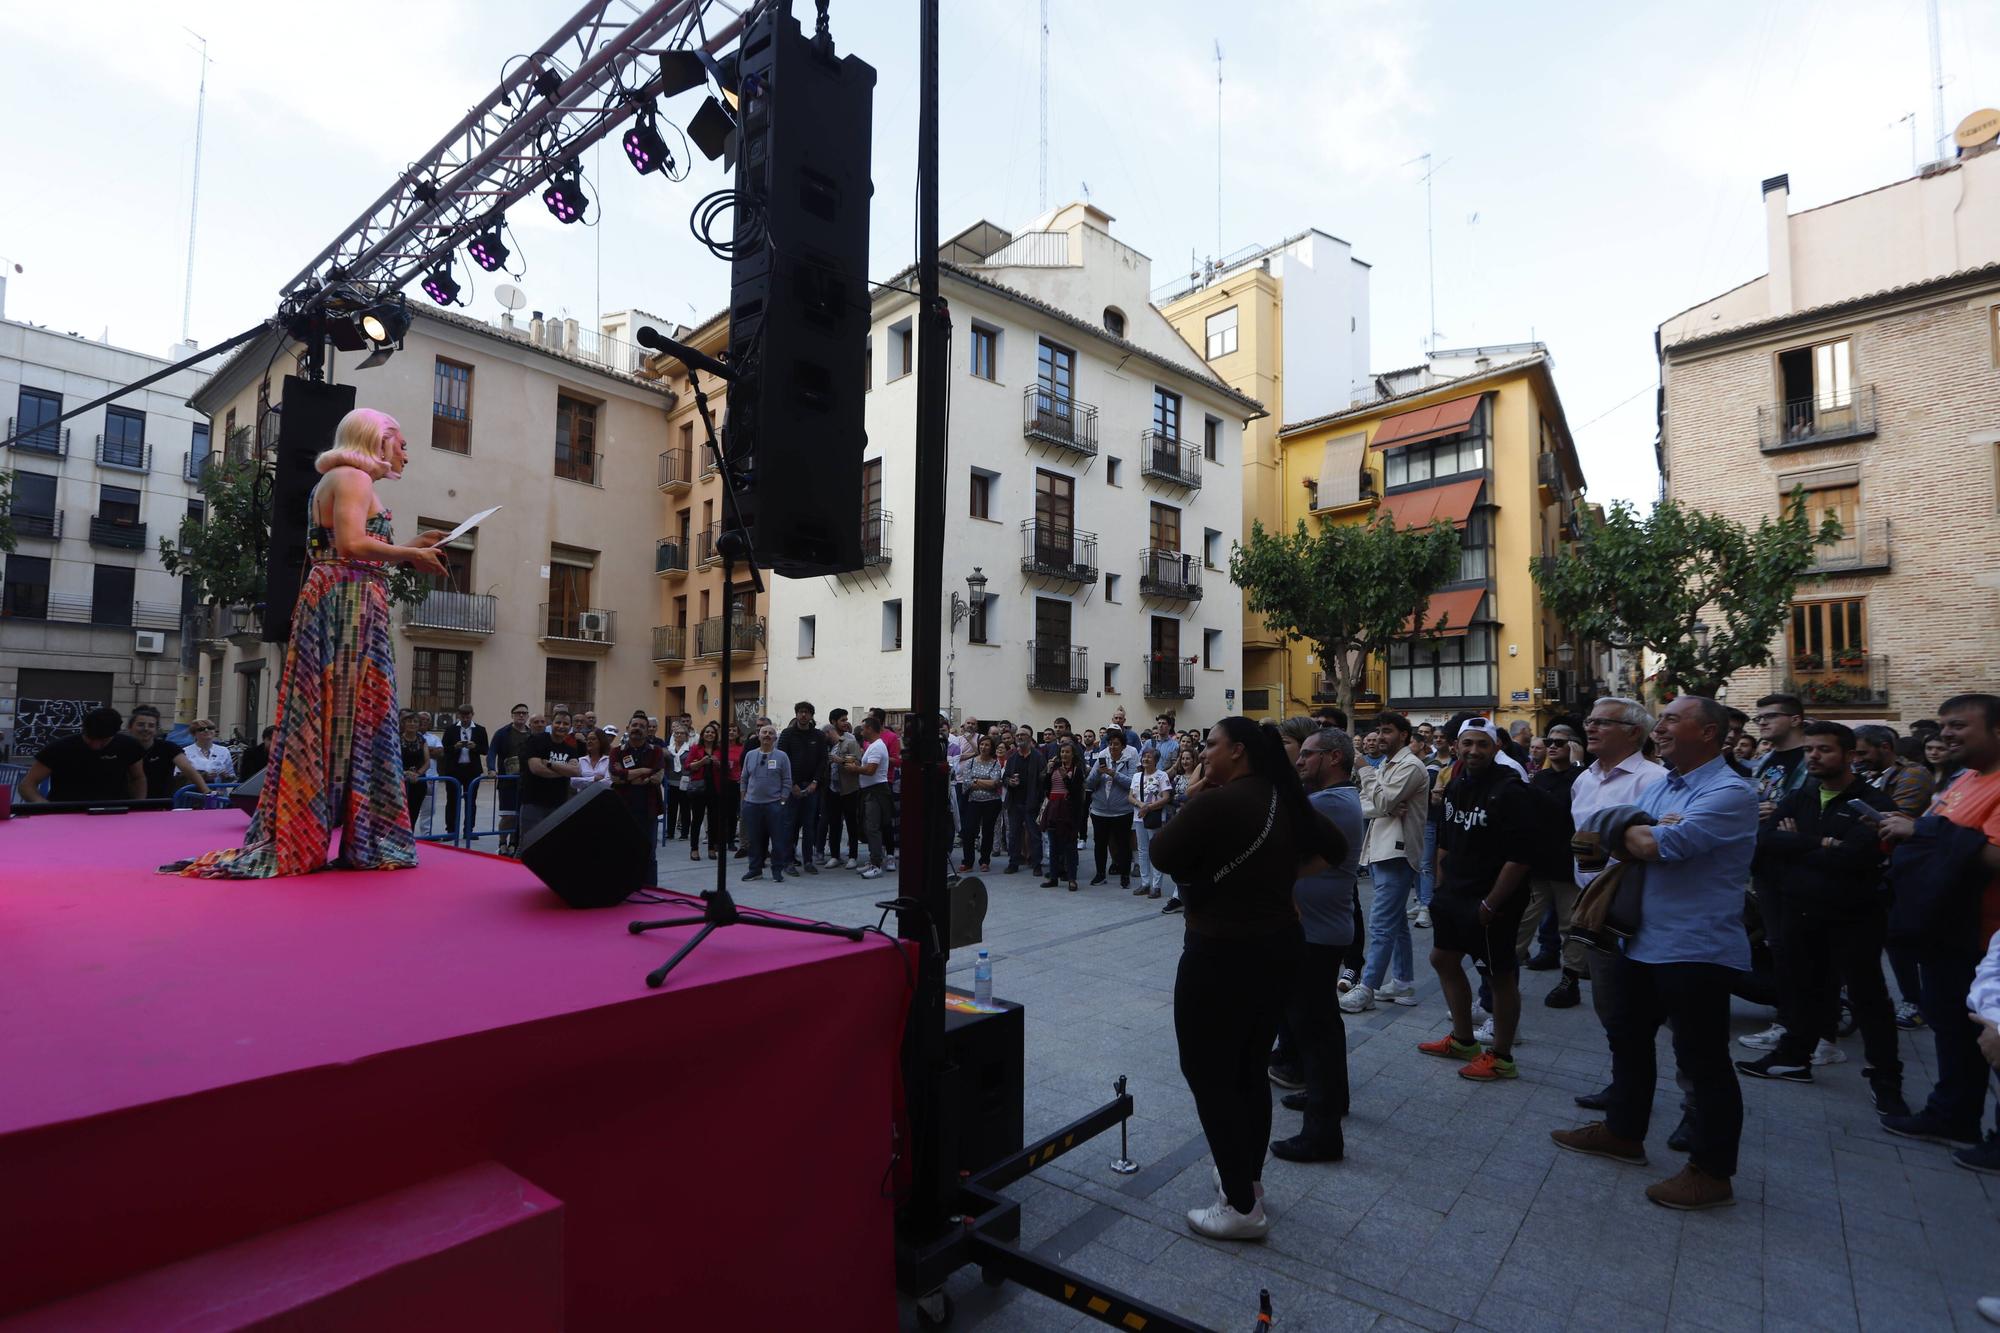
{"type": "Point", "coordinates": [767, 805]}
{"type": "Point", "coordinates": [1679, 966]}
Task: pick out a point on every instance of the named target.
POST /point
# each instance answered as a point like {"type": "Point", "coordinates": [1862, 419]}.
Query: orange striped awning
{"type": "Point", "coordinates": [1426, 423]}
{"type": "Point", "coordinates": [1453, 610]}
{"type": "Point", "coordinates": [1421, 508]}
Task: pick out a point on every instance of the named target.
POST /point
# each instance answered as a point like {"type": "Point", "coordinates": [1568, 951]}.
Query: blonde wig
{"type": "Point", "coordinates": [361, 440]}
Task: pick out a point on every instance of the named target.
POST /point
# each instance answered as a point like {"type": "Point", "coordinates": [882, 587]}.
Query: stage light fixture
{"type": "Point", "coordinates": [565, 196]}
{"type": "Point", "coordinates": [547, 83]}
{"type": "Point", "coordinates": [645, 147]}
{"type": "Point", "coordinates": [487, 249]}
{"type": "Point", "coordinates": [680, 71]}
{"type": "Point", "coordinates": [441, 286]}
{"type": "Point", "coordinates": [383, 325]}
{"type": "Point", "coordinates": [712, 129]}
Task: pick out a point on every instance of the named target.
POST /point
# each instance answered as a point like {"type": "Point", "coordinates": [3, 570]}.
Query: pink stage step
{"type": "Point", "coordinates": [480, 1248]}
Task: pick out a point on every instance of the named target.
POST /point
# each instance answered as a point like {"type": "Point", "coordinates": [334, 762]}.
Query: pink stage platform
{"type": "Point", "coordinates": [193, 1070]}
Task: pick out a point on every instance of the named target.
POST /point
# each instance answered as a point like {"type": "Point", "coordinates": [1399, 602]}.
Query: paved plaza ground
{"type": "Point", "coordinates": [1453, 1209]}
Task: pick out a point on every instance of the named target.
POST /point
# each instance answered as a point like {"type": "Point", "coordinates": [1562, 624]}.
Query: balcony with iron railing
{"type": "Point", "coordinates": [1864, 548]}
{"type": "Point", "coordinates": [1057, 668]}
{"type": "Point", "coordinates": [1843, 679]}
{"type": "Point", "coordinates": [1058, 552]}
{"type": "Point", "coordinates": [875, 549]}
{"type": "Point", "coordinates": [1550, 474]}
{"type": "Point", "coordinates": [1175, 575]}
{"type": "Point", "coordinates": [583, 626]}
{"type": "Point", "coordinates": [1802, 423]}
{"type": "Point", "coordinates": [676, 470]}
{"type": "Point", "coordinates": [1170, 678]}
{"type": "Point", "coordinates": [44, 527]}
{"type": "Point", "coordinates": [119, 534]}
{"type": "Point", "coordinates": [1060, 421]}
{"type": "Point", "coordinates": [124, 455]}
{"type": "Point", "coordinates": [85, 609]}
{"type": "Point", "coordinates": [195, 466]}
{"type": "Point", "coordinates": [1164, 458]}
{"type": "Point", "coordinates": [744, 635]}
{"type": "Point", "coordinates": [705, 553]}
{"type": "Point", "coordinates": [51, 440]}
{"type": "Point", "coordinates": [670, 556]}
{"type": "Point", "coordinates": [446, 612]}
{"type": "Point", "coordinates": [670, 643]}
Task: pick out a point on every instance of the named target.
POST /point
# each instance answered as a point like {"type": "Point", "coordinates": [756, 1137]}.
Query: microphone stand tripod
{"type": "Point", "coordinates": [719, 909]}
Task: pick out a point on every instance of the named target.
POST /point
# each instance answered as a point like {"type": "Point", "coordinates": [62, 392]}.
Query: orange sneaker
{"type": "Point", "coordinates": [1486, 1067]}
{"type": "Point", "coordinates": [1450, 1048]}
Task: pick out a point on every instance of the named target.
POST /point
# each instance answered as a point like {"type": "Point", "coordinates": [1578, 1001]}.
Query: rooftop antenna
{"type": "Point", "coordinates": [1911, 117]}
{"type": "Point", "coordinates": [194, 196]}
{"type": "Point", "coordinates": [1086, 190]}
{"type": "Point", "coordinates": [1043, 205]}
{"type": "Point", "coordinates": [1430, 243]}
{"type": "Point", "coordinates": [1218, 149]}
{"type": "Point", "coordinates": [1938, 140]}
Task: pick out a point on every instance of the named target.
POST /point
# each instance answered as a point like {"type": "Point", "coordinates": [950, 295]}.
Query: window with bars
{"type": "Point", "coordinates": [570, 683]}
{"type": "Point", "coordinates": [440, 679]}
{"type": "Point", "coordinates": [451, 407]}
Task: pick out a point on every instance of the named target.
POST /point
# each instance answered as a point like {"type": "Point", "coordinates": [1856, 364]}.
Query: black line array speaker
{"type": "Point", "coordinates": [798, 298]}
{"type": "Point", "coordinates": [306, 420]}
{"type": "Point", "coordinates": [591, 850]}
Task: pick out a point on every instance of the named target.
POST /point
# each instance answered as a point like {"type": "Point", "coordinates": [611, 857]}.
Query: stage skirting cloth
{"type": "Point", "coordinates": [191, 1064]}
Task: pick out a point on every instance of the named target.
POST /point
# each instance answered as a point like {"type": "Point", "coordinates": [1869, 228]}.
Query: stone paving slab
{"type": "Point", "coordinates": [1453, 1209]}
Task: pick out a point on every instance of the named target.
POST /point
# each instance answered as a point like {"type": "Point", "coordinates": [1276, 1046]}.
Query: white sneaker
{"type": "Point", "coordinates": [1483, 1034]}
{"type": "Point", "coordinates": [1221, 1222]}
{"type": "Point", "coordinates": [1767, 1040]}
{"type": "Point", "coordinates": [1423, 918]}
{"type": "Point", "coordinates": [847, 863]}
{"type": "Point", "coordinates": [1357, 1001]}
{"type": "Point", "coordinates": [1826, 1053]}
{"type": "Point", "coordinates": [1347, 981]}
{"type": "Point", "coordinates": [1989, 1308]}
{"type": "Point", "coordinates": [872, 872]}
{"type": "Point", "coordinates": [892, 863]}
{"type": "Point", "coordinates": [1401, 992]}
{"type": "Point", "coordinates": [1256, 1186]}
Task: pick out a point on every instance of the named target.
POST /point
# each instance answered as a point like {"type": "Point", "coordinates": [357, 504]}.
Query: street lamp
{"type": "Point", "coordinates": [975, 587]}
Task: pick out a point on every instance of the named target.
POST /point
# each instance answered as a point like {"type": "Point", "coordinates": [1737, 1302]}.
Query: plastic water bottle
{"type": "Point", "coordinates": [982, 981]}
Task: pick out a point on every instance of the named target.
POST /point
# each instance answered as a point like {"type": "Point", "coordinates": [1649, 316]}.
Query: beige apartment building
{"type": "Point", "coordinates": [550, 601]}
{"type": "Point", "coordinates": [1864, 367]}
{"type": "Point", "coordinates": [688, 638]}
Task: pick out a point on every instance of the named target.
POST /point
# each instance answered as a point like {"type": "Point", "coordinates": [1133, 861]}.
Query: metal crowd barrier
{"type": "Point", "coordinates": [217, 796]}
{"type": "Point", "coordinates": [503, 820]}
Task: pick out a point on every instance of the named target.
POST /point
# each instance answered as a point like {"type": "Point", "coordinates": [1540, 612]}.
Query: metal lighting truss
{"type": "Point", "coordinates": [606, 59]}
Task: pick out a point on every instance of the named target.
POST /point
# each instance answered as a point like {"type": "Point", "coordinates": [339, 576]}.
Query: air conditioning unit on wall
{"type": "Point", "coordinates": [150, 642]}
{"type": "Point", "coordinates": [594, 625]}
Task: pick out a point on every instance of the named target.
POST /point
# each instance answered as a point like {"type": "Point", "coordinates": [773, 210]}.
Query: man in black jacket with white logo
{"type": "Point", "coordinates": [1824, 857]}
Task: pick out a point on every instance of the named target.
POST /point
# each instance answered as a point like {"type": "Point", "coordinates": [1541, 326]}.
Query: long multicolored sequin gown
{"type": "Point", "coordinates": [336, 760]}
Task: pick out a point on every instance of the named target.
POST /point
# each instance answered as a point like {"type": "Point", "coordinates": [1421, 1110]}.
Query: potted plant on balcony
{"type": "Point", "coordinates": [1807, 662]}
{"type": "Point", "coordinates": [1849, 659]}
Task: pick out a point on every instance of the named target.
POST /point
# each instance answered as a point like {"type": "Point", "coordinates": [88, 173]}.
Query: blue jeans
{"type": "Point", "coordinates": [1388, 927]}
{"type": "Point", "coordinates": [805, 826]}
{"type": "Point", "coordinates": [1427, 872]}
{"type": "Point", "coordinates": [767, 825]}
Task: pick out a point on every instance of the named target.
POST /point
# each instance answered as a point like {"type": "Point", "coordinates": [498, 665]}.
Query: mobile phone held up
{"type": "Point", "coordinates": [1864, 812]}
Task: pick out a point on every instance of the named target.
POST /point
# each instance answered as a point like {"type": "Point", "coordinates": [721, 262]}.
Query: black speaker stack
{"type": "Point", "coordinates": [310, 411]}
{"type": "Point", "coordinates": [798, 305]}
{"type": "Point", "coordinates": [590, 850]}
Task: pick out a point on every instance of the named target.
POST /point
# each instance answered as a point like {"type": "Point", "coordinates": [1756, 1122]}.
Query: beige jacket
{"type": "Point", "coordinates": [1396, 800]}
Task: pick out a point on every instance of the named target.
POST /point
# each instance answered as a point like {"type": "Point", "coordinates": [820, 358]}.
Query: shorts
{"type": "Point", "coordinates": [1456, 928]}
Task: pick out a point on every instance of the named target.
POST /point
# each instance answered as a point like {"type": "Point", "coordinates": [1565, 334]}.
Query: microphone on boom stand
{"type": "Point", "coordinates": [688, 356]}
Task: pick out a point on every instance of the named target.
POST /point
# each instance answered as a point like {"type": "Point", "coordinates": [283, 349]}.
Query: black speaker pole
{"type": "Point", "coordinates": [719, 908]}
{"type": "Point", "coordinates": [926, 830]}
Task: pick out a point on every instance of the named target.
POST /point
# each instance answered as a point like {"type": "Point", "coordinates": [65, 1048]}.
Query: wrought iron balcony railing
{"type": "Point", "coordinates": [1164, 458]}
{"type": "Point", "coordinates": [52, 440]}
{"type": "Point", "coordinates": [1057, 668]}
{"type": "Point", "coordinates": [195, 466]}
{"type": "Point", "coordinates": [744, 635]}
{"type": "Point", "coordinates": [124, 455]}
{"type": "Point", "coordinates": [579, 624]}
{"type": "Point", "coordinates": [1171, 679]}
{"type": "Point", "coordinates": [1170, 574]}
{"type": "Point", "coordinates": [47, 527]}
{"type": "Point", "coordinates": [875, 548]}
{"type": "Point", "coordinates": [1863, 548]}
{"type": "Point", "coordinates": [670, 556]}
{"type": "Point", "coordinates": [1843, 679]}
{"type": "Point", "coordinates": [704, 545]}
{"type": "Point", "coordinates": [1060, 420]}
{"type": "Point", "coordinates": [453, 612]}
{"type": "Point", "coordinates": [1799, 423]}
{"type": "Point", "coordinates": [1058, 551]}
{"type": "Point", "coordinates": [670, 643]}
{"type": "Point", "coordinates": [676, 470]}
{"type": "Point", "coordinates": [121, 534]}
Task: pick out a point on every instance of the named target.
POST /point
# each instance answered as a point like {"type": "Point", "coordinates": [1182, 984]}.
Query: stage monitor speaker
{"type": "Point", "coordinates": [986, 1088]}
{"type": "Point", "coordinates": [247, 792]}
{"type": "Point", "coordinates": [798, 302]}
{"type": "Point", "coordinates": [591, 851]}
{"type": "Point", "coordinates": [308, 414]}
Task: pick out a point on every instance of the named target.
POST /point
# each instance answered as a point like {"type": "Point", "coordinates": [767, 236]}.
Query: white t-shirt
{"type": "Point", "coordinates": [433, 740]}
{"type": "Point", "coordinates": [877, 754]}
{"type": "Point", "coordinates": [591, 770]}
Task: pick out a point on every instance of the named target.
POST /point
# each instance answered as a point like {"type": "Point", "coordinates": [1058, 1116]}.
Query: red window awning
{"type": "Point", "coordinates": [1452, 610]}
{"type": "Point", "coordinates": [1427, 423]}
{"type": "Point", "coordinates": [1421, 508]}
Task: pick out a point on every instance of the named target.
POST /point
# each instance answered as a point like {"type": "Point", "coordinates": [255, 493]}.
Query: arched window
{"type": "Point", "coordinates": [1114, 321]}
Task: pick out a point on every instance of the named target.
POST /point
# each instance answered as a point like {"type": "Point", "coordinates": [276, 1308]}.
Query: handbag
{"type": "Point", "coordinates": [1610, 909]}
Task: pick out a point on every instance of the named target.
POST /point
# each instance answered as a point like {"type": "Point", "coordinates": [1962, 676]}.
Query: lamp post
{"type": "Point", "coordinates": [961, 609]}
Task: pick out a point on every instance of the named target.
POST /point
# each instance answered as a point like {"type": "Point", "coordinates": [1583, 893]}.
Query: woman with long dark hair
{"type": "Point", "coordinates": [1235, 850]}
{"type": "Point", "coordinates": [1062, 810]}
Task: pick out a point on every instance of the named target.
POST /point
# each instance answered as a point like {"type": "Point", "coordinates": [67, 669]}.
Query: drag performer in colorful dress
{"type": "Point", "coordinates": [336, 762]}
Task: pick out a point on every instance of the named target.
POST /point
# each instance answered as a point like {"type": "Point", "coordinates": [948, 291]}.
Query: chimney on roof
{"type": "Point", "coordinates": [1778, 242]}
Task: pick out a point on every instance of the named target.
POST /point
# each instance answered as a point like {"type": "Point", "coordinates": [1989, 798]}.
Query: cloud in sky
{"type": "Point", "coordinates": [1598, 164]}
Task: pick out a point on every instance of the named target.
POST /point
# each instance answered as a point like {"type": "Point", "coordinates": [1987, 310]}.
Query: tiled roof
{"type": "Point", "coordinates": [1808, 313]}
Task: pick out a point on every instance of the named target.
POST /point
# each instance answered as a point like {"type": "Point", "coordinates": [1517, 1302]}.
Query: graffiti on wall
{"type": "Point", "coordinates": [38, 722]}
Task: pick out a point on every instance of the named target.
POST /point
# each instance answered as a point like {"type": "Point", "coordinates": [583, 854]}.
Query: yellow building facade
{"type": "Point", "coordinates": [1489, 450]}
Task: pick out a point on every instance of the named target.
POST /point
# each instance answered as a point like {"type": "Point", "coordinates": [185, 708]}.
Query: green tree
{"type": "Point", "coordinates": [1646, 583]}
{"type": "Point", "coordinates": [1348, 589]}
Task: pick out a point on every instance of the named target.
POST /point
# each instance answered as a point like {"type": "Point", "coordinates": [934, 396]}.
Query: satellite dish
{"type": "Point", "coordinates": [1978, 128]}
{"type": "Point", "coordinates": [510, 296]}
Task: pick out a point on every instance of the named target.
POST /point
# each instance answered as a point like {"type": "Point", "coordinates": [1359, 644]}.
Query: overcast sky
{"type": "Point", "coordinates": [1599, 163]}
